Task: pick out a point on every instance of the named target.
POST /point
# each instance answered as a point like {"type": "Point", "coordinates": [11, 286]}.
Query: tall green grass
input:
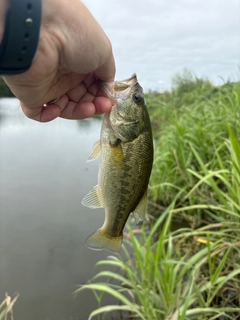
{"type": "Point", "coordinates": [183, 274]}
{"type": "Point", "coordinates": [193, 272]}
{"type": "Point", "coordinates": [197, 127]}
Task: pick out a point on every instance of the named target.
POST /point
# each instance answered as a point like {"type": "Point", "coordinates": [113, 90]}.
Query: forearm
{"type": "Point", "coordinates": [3, 9]}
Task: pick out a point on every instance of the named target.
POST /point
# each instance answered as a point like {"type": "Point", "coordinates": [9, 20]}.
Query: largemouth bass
{"type": "Point", "coordinates": [126, 149]}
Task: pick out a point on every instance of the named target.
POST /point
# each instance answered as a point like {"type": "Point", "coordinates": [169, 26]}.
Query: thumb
{"type": "Point", "coordinates": [107, 71]}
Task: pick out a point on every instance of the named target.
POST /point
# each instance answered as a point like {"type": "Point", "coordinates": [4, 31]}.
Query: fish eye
{"type": "Point", "coordinates": [138, 97]}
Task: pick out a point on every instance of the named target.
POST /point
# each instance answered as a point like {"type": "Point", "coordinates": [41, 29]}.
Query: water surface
{"type": "Point", "coordinates": [43, 177]}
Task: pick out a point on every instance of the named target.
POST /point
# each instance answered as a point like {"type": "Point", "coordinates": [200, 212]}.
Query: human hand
{"type": "Point", "coordinates": [73, 51]}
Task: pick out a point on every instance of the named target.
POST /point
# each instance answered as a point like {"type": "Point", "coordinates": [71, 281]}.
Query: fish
{"type": "Point", "coordinates": [126, 158]}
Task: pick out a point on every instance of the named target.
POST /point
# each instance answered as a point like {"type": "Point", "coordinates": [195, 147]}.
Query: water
{"type": "Point", "coordinates": [43, 177]}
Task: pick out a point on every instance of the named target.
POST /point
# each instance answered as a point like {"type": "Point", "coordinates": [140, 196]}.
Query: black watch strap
{"type": "Point", "coordinates": [20, 38]}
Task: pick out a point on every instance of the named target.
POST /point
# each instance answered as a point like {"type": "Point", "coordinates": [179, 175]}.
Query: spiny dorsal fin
{"type": "Point", "coordinates": [95, 151]}
{"type": "Point", "coordinates": [140, 211]}
{"type": "Point", "coordinates": [92, 199]}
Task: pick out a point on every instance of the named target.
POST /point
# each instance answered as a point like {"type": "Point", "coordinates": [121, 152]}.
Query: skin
{"type": "Point", "coordinates": [73, 52]}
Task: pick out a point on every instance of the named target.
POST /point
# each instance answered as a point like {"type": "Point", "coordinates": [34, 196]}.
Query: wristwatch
{"type": "Point", "coordinates": [20, 38]}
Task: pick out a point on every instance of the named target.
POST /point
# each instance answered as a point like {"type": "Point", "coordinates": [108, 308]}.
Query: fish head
{"type": "Point", "coordinates": [129, 110]}
{"type": "Point", "coordinates": [126, 95]}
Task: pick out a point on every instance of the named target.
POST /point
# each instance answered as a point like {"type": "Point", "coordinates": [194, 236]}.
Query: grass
{"type": "Point", "coordinates": [164, 279]}
{"type": "Point", "coordinates": [201, 126]}
{"type": "Point", "coordinates": [6, 312]}
{"type": "Point", "coordinates": [190, 272]}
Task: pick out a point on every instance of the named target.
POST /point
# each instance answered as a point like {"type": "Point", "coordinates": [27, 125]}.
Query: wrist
{"type": "Point", "coordinates": [20, 36]}
{"type": "Point", "coordinates": [3, 10]}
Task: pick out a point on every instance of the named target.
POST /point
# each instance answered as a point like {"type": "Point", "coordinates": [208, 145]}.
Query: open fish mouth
{"type": "Point", "coordinates": [125, 84]}
{"type": "Point", "coordinates": [118, 89]}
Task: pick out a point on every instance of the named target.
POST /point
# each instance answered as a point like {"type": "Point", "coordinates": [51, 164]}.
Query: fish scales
{"type": "Point", "coordinates": [125, 164]}
{"type": "Point", "coordinates": [127, 182]}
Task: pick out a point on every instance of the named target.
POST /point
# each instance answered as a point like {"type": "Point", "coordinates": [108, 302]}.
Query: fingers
{"type": "Point", "coordinates": [107, 71]}
{"type": "Point", "coordinates": [46, 113]}
{"type": "Point", "coordinates": [83, 101]}
{"type": "Point", "coordinates": [65, 108]}
{"type": "Point", "coordinates": [84, 91]}
{"type": "Point", "coordinates": [88, 109]}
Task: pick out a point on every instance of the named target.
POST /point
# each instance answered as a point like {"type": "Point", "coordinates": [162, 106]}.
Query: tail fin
{"type": "Point", "coordinates": [100, 240]}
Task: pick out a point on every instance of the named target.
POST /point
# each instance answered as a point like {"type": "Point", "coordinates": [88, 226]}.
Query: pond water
{"type": "Point", "coordinates": [43, 178]}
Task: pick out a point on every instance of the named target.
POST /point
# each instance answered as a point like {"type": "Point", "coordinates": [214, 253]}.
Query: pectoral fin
{"type": "Point", "coordinates": [92, 199]}
{"type": "Point", "coordinates": [140, 211]}
{"type": "Point", "coordinates": [95, 151]}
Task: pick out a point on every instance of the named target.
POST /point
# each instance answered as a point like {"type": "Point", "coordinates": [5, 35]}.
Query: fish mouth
{"type": "Point", "coordinates": [125, 84]}
{"type": "Point", "coordinates": [118, 89]}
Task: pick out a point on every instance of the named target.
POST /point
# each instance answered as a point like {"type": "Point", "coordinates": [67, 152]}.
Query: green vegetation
{"type": "Point", "coordinates": [5, 92]}
{"type": "Point", "coordinates": [184, 126]}
{"type": "Point", "coordinates": [188, 272]}
{"type": "Point", "coordinates": [6, 307]}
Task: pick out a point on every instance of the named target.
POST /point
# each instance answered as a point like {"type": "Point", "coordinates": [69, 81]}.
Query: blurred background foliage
{"type": "Point", "coordinates": [5, 92]}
